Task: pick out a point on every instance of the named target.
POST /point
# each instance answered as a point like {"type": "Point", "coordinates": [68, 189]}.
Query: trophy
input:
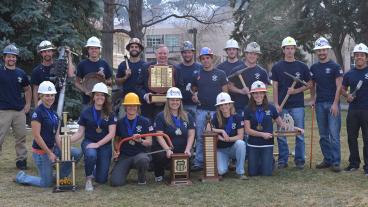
{"type": "Point", "coordinates": [210, 172]}
{"type": "Point", "coordinates": [65, 184]}
{"type": "Point", "coordinates": [288, 130]}
{"type": "Point", "coordinates": [180, 170]}
{"type": "Point", "coordinates": [160, 79]}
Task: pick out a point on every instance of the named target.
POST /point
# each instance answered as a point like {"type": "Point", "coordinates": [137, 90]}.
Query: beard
{"type": "Point", "coordinates": [10, 63]}
{"type": "Point", "coordinates": [47, 58]}
{"type": "Point", "coordinates": [322, 57]}
{"type": "Point", "coordinates": [188, 59]}
{"type": "Point", "coordinates": [134, 53]}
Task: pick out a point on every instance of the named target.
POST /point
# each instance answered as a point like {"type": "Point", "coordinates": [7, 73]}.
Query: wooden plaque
{"type": "Point", "coordinates": [286, 133]}
{"type": "Point", "coordinates": [180, 169]}
{"type": "Point", "coordinates": [161, 78]}
{"type": "Point", "coordinates": [157, 98]}
{"type": "Point", "coordinates": [210, 172]}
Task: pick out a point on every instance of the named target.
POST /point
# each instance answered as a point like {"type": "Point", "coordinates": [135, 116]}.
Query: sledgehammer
{"type": "Point", "coordinates": [296, 80]}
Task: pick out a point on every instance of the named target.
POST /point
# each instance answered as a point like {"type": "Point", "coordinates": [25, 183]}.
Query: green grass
{"type": "Point", "coordinates": [289, 187]}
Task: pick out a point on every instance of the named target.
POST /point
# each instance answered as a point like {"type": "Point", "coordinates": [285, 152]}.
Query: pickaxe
{"type": "Point", "coordinates": [239, 75]}
{"type": "Point", "coordinates": [295, 79]}
{"type": "Point", "coordinates": [358, 86]}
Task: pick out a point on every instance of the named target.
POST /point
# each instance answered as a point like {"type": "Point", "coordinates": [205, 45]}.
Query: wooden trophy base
{"type": "Point", "coordinates": [286, 133]}
{"type": "Point", "coordinates": [179, 182]}
{"type": "Point", "coordinates": [180, 170]}
{"type": "Point", "coordinates": [157, 98]}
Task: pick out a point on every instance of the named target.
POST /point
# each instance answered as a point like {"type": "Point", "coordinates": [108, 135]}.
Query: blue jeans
{"type": "Point", "coordinates": [236, 151]}
{"type": "Point", "coordinates": [260, 161]}
{"type": "Point", "coordinates": [45, 169]}
{"type": "Point", "coordinates": [97, 159]}
{"type": "Point", "coordinates": [298, 115]}
{"type": "Point", "coordinates": [200, 125]}
{"type": "Point", "coordinates": [329, 131]}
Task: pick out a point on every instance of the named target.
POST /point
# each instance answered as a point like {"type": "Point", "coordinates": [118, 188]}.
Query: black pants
{"type": "Point", "coordinates": [355, 120]}
{"type": "Point", "coordinates": [122, 167]}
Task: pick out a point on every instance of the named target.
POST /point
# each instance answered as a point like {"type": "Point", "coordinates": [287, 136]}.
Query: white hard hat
{"type": "Point", "coordinates": [360, 48]}
{"type": "Point", "coordinates": [46, 87]}
{"type": "Point", "coordinates": [93, 42]}
{"type": "Point", "coordinates": [321, 43]}
{"type": "Point", "coordinates": [223, 98]}
{"type": "Point", "coordinates": [288, 41]}
{"type": "Point", "coordinates": [253, 47]}
{"type": "Point", "coordinates": [174, 92]}
{"type": "Point", "coordinates": [231, 43]}
{"type": "Point", "coordinates": [45, 45]}
{"type": "Point", "coordinates": [100, 87]}
{"type": "Point", "coordinates": [258, 86]}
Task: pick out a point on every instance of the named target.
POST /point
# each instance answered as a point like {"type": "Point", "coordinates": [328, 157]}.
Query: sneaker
{"type": "Point", "coordinates": [299, 166]}
{"type": "Point", "coordinates": [89, 186]}
{"type": "Point", "coordinates": [323, 165]}
{"type": "Point", "coordinates": [21, 164]}
{"type": "Point", "coordinates": [335, 168]}
{"type": "Point", "coordinates": [350, 168]}
{"type": "Point", "coordinates": [142, 183]}
{"type": "Point", "coordinates": [159, 179]}
{"type": "Point", "coordinates": [196, 168]}
{"type": "Point", "coordinates": [282, 165]}
{"type": "Point", "coordinates": [243, 177]}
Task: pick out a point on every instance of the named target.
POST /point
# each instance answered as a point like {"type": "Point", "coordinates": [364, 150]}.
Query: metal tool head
{"type": "Point", "coordinates": [126, 57]}
{"type": "Point", "coordinates": [359, 85]}
{"type": "Point", "coordinates": [235, 74]}
{"type": "Point", "coordinates": [295, 78]}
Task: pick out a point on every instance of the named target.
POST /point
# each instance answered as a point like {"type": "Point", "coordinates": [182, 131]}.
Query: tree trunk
{"type": "Point", "coordinates": [107, 34]}
{"type": "Point", "coordinates": [135, 20]}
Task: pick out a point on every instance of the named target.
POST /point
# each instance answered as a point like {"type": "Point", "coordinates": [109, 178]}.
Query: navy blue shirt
{"type": "Point", "coordinates": [49, 123]}
{"type": "Point", "coordinates": [179, 141]}
{"type": "Point", "coordinates": [86, 119]}
{"type": "Point", "coordinates": [143, 126]}
{"type": "Point", "coordinates": [209, 84]}
{"type": "Point", "coordinates": [351, 79]}
{"type": "Point", "coordinates": [296, 68]}
{"type": "Point", "coordinates": [12, 83]}
{"type": "Point", "coordinates": [186, 73]}
{"type": "Point", "coordinates": [325, 74]}
{"type": "Point", "coordinates": [250, 75]}
{"type": "Point", "coordinates": [235, 125]}
{"type": "Point", "coordinates": [228, 67]}
{"type": "Point", "coordinates": [130, 84]}
{"type": "Point", "coordinates": [87, 66]}
{"type": "Point", "coordinates": [267, 124]}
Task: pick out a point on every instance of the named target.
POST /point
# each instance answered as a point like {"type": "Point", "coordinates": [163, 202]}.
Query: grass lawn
{"type": "Point", "coordinates": [288, 187]}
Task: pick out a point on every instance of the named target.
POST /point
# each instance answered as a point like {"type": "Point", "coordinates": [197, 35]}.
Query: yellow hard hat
{"type": "Point", "coordinates": [131, 99]}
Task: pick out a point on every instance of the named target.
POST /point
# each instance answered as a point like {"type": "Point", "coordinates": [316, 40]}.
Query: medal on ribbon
{"type": "Point", "coordinates": [259, 116]}
{"type": "Point", "coordinates": [131, 128]}
{"type": "Point", "coordinates": [177, 123]}
{"type": "Point", "coordinates": [53, 119]}
{"type": "Point", "coordinates": [97, 119]}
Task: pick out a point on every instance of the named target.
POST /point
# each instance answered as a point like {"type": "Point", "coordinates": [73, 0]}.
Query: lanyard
{"type": "Point", "coordinates": [229, 124]}
{"type": "Point", "coordinates": [51, 117]}
{"type": "Point", "coordinates": [131, 128]}
{"type": "Point", "coordinates": [259, 115]}
{"type": "Point", "coordinates": [176, 121]}
{"type": "Point", "coordinates": [96, 118]}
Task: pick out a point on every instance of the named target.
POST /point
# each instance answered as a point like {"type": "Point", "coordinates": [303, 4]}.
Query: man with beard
{"type": "Point", "coordinates": [232, 50]}
{"type": "Point", "coordinates": [94, 64]}
{"type": "Point", "coordinates": [253, 73]}
{"type": "Point", "coordinates": [186, 70]}
{"type": "Point", "coordinates": [14, 81]}
{"type": "Point", "coordinates": [295, 104]}
{"type": "Point", "coordinates": [327, 79]}
{"type": "Point", "coordinates": [357, 117]}
{"type": "Point", "coordinates": [42, 71]}
{"type": "Point", "coordinates": [162, 58]}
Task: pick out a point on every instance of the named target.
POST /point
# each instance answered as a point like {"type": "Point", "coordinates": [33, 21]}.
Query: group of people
{"type": "Point", "coordinates": [234, 93]}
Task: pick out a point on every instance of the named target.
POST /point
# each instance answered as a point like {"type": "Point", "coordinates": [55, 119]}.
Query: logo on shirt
{"type": "Point", "coordinates": [366, 76]}
{"type": "Point", "coordinates": [340, 71]}
{"type": "Point", "coordinates": [139, 71]}
{"type": "Point", "coordinates": [115, 119]}
{"type": "Point", "coordinates": [214, 78]}
{"type": "Point", "coordinates": [19, 79]}
{"type": "Point", "coordinates": [297, 75]}
{"type": "Point", "coordinates": [242, 123]}
{"type": "Point", "coordinates": [150, 128]}
{"type": "Point", "coordinates": [139, 128]}
{"type": "Point", "coordinates": [268, 112]}
{"type": "Point", "coordinates": [101, 69]}
{"type": "Point", "coordinates": [257, 76]}
{"type": "Point", "coordinates": [233, 126]}
{"type": "Point", "coordinates": [328, 70]}
{"type": "Point", "coordinates": [185, 124]}
{"type": "Point", "coordinates": [34, 115]}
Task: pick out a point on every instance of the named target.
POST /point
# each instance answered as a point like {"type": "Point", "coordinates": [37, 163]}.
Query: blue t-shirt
{"type": "Point", "coordinates": [250, 75]}
{"type": "Point", "coordinates": [186, 73]}
{"type": "Point", "coordinates": [228, 67]}
{"type": "Point", "coordinates": [49, 123]}
{"type": "Point", "coordinates": [296, 68]}
{"type": "Point", "coordinates": [351, 79]}
{"type": "Point", "coordinates": [130, 85]}
{"type": "Point", "coordinates": [209, 84]}
{"type": "Point", "coordinates": [237, 123]}
{"type": "Point", "coordinates": [87, 66]}
{"type": "Point", "coordinates": [179, 141]}
{"type": "Point", "coordinates": [87, 120]}
{"type": "Point", "coordinates": [267, 124]}
{"type": "Point", "coordinates": [12, 83]}
{"type": "Point", "coordinates": [142, 126]}
{"type": "Point", "coordinates": [325, 74]}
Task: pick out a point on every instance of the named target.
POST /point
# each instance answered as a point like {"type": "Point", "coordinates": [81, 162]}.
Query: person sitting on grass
{"type": "Point", "coordinates": [230, 129]}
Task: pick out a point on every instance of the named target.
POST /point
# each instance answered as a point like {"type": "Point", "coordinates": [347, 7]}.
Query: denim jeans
{"type": "Point", "coordinates": [45, 169]}
{"type": "Point", "coordinates": [200, 125]}
{"type": "Point", "coordinates": [97, 159]}
{"type": "Point", "coordinates": [329, 131]}
{"type": "Point", "coordinates": [236, 151]}
{"type": "Point", "coordinates": [260, 161]}
{"type": "Point", "coordinates": [298, 115]}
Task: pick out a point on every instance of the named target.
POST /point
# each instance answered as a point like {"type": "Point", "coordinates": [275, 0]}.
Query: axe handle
{"type": "Point", "coordinates": [287, 96]}
{"type": "Point", "coordinates": [243, 82]}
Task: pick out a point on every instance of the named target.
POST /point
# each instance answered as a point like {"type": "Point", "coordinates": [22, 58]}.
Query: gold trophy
{"type": "Point", "coordinates": [65, 184]}
{"type": "Point", "coordinates": [180, 170]}
{"type": "Point", "coordinates": [160, 79]}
